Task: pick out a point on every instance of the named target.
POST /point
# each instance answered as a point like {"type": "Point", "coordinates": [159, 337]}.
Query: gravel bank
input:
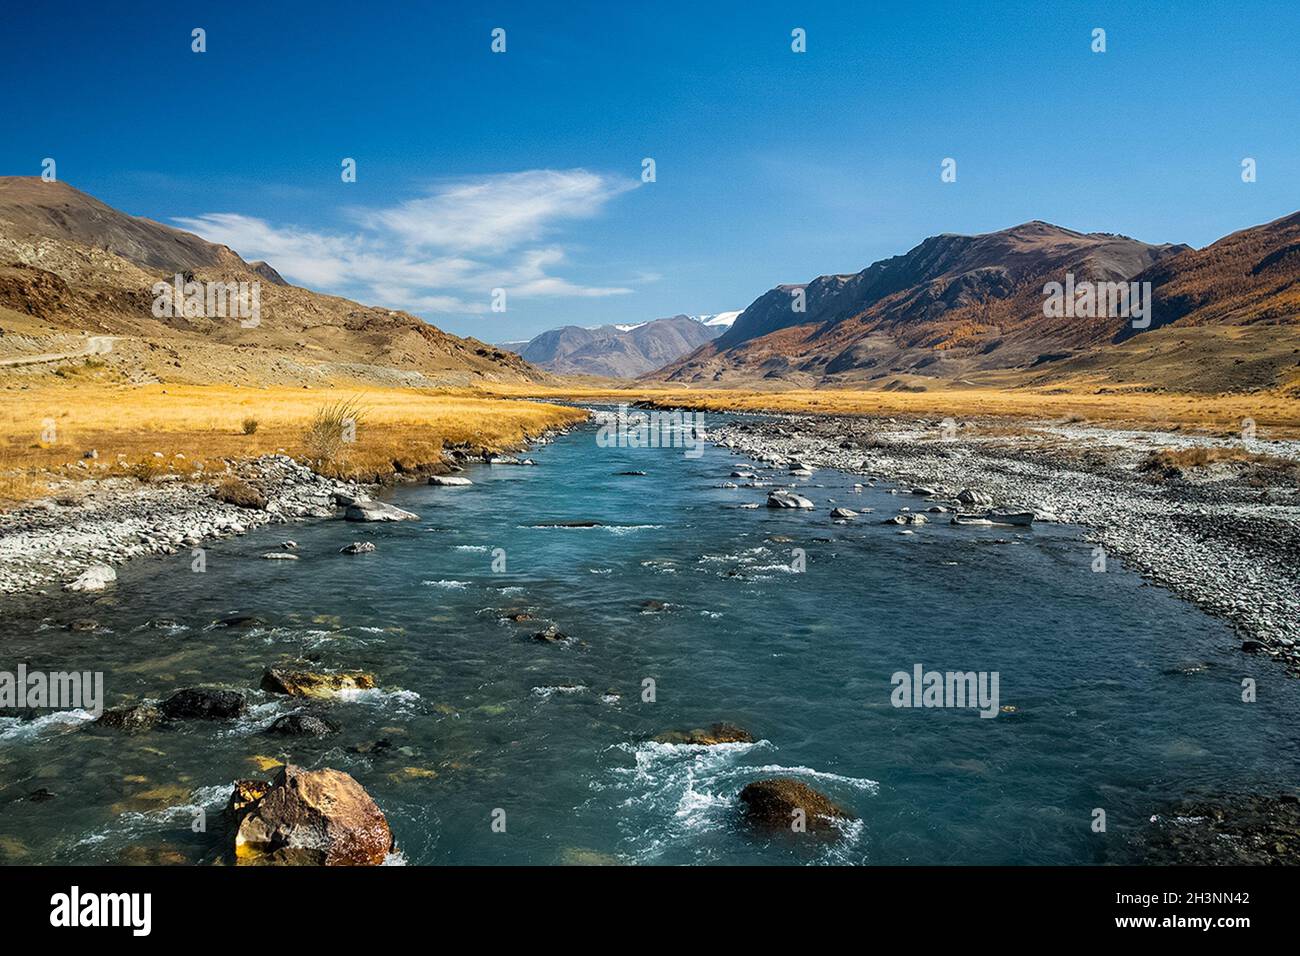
{"type": "Point", "coordinates": [48, 544]}
{"type": "Point", "coordinates": [1225, 536]}
{"type": "Point", "coordinates": [94, 524]}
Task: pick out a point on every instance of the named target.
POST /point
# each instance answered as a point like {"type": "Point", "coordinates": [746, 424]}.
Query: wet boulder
{"type": "Point", "coordinates": [776, 804]}
{"type": "Point", "coordinates": [241, 621]}
{"type": "Point", "coordinates": [94, 578]}
{"type": "Point", "coordinates": [551, 635]}
{"type": "Point", "coordinates": [303, 725]}
{"type": "Point", "coordinates": [714, 734]}
{"type": "Point", "coordinates": [378, 511]}
{"type": "Point", "coordinates": [788, 499]}
{"type": "Point", "coordinates": [843, 514]}
{"type": "Point", "coordinates": [132, 717]}
{"type": "Point", "coordinates": [974, 499]}
{"type": "Point", "coordinates": [908, 518]}
{"type": "Point", "coordinates": [449, 481]}
{"type": "Point", "coordinates": [203, 703]}
{"type": "Point", "coordinates": [277, 680]}
{"type": "Point", "coordinates": [307, 818]}
{"type": "Point", "coordinates": [358, 547]}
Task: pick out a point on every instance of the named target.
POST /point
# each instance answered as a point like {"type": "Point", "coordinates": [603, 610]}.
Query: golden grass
{"type": "Point", "coordinates": [1275, 415]}
{"type": "Point", "coordinates": [45, 429]}
{"type": "Point", "coordinates": [403, 429]}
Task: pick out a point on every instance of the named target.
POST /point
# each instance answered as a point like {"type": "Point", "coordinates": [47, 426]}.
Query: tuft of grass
{"type": "Point", "coordinates": [1257, 469]}
{"type": "Point", "coordinates": [250, 426]}
{"type": "Point", "coordinates": [332, 429]}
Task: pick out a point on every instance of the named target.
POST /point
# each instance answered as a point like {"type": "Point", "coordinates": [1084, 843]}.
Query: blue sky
{"type": "Point", "coordinates": [522, 170]}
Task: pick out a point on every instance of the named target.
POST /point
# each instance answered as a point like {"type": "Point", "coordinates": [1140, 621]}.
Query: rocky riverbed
{"type": "Point", "coordinates": [1225, 535]}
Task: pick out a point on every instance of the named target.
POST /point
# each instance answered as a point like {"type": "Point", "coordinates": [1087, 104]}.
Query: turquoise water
{"type": "Point", "coordinates": [481, 717]}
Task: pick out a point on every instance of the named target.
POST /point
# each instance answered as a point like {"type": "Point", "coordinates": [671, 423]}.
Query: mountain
{"type": "Point", "coordinates": [951, 306]}
{"type": "Point", "coordinates": [1248, 277]}
{"type": "Point", "coordinates": [73, 268]}
{"type": "Point", "coordinates": [621, 351]}
{"type": "Point", "coordinates": [1223, 318]}
{"type": "Point", "coordinates": [722, 320]}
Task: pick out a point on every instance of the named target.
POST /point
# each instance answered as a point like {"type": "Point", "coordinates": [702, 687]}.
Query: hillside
{"type": "Point", "coordinates": [76, 275]}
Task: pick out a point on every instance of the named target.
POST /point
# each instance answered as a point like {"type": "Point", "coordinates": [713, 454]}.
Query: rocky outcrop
{"type": "Point", "coordinates": [307, 818]}
{"type": "Point", "coordinates": [203, 703]}
{"type": "Point", "coordinates": [449, 481]}
{"type": "Point", "coordinates": [276, 680]}
{"type": "Point", "coordinates": [776, 804]}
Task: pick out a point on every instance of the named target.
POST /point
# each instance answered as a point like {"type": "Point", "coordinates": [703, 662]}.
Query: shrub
{"type": "Point", "coordinates": [235, 491]}
{"type": "Point", "coordinates": [331, 430]}
{"type": "Point", "coordinates": [250, 425]}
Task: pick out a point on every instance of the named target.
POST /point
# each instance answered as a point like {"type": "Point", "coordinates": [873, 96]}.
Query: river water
{"type": "Point", "coordinates": [1117, 696]}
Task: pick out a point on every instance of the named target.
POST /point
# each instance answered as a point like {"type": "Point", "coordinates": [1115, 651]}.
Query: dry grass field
{"type": "Point", "coordinates": [143, 431]}
{"type": "Point", "coordinates": [1275, 414]}
{"type": "Point", "coordinates": [146, 431]}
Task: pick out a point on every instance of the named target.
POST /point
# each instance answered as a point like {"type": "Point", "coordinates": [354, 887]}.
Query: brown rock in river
{"type": "Point", "coordinates": [313, 683]}
{"type": "Point", "coordinates": [772, 804]}
{"type": "Point", "coordinates": [308, 818]}
{"type": "Point", "coordinates": [132, 717]}
{"type": "Point", "coordinates": [723, 733]}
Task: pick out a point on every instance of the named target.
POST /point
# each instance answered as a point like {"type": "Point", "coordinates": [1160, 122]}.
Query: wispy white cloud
{"type": "Point", "coordinates": [443, 252]}
{"type": "Point", "coordinates": [497, 213]}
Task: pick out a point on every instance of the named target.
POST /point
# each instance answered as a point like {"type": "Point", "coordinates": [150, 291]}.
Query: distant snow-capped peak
{"type": "Point", "coordinates": [723, 319]}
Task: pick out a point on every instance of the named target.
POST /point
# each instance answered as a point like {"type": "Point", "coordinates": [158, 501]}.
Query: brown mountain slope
{"type": "Point", "coordinates": [969, 309]}
{"type": "Point", "coordinates": [1223, 318]}
{"type": "Point", "coordinates": [952, 306]}
{"type": "Point", "coordinates": [1248, 277]}
{"type": "Point", "coordinates": [73, 269]}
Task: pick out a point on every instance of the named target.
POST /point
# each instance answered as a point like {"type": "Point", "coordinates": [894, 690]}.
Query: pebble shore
{"type": "Point", "coordinates": [49, 544]}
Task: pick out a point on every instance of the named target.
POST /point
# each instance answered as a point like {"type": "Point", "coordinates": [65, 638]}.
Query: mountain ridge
{"type": "Point", "coordinates": [72, 266]}
{"type": "Point", "coordinates": [961, 306]}
{"type": "Point", "coordinates": [619, 351]}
